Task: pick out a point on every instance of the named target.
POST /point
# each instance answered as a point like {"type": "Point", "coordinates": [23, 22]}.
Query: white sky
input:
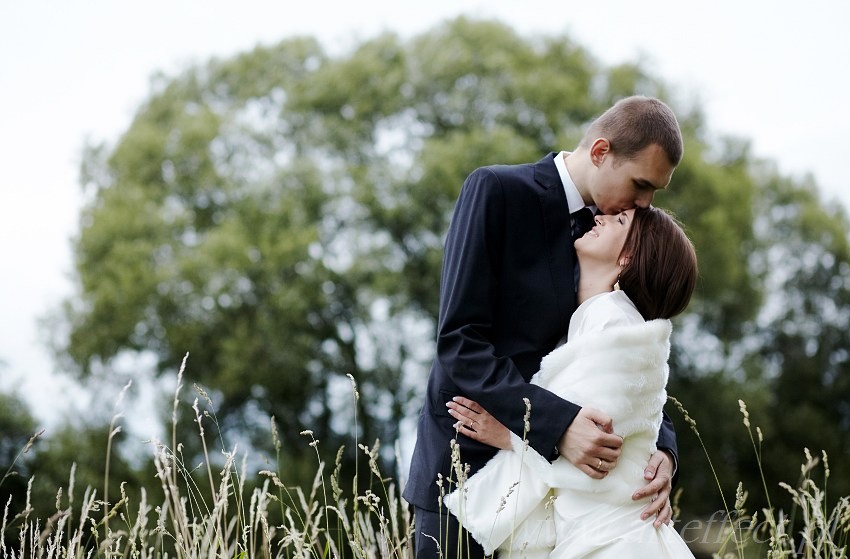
{"type": "Point", "coordinates": [774, 71]}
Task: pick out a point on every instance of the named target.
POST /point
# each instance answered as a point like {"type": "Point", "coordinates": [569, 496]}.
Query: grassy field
{"type": "Point", "coordinates": [210, 513]}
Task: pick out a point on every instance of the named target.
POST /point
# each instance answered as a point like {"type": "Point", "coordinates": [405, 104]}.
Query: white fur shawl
{"type": "Point", "coordinates": [621, 371]}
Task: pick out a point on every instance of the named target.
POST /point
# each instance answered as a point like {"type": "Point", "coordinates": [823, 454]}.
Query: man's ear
{"type": "Point", "coordinates": [599, 149]}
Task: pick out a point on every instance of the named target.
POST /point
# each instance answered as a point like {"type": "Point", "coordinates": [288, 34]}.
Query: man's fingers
{"type": "Point", "coordinates": [654, 487]}
{"type": "Point", "coordinates": [596, 416]}
{"type": "Point", "coordinates": [609, 456]}
{"type": "Point", "coordinates": [604, 446]}
{"type": "Point", "coordinates": [587, 446]}
{"type": "Point", "coordinates": [603, 421]}
{"type": "Point", "coordinates": [653, 508]}
{"type": "Point", "coordinates": [592, 472]}
{"type": "Point", "coordinates": [652, 466]}
{"type": "Point", "coordinates": [665, 516]}
{"type": "Point", "coordinates": [658, 502]}
{"type": "Point", "coordinates": [603, 428]}
{"type": "Point", "coordinates": [604, 465]}
{"type": "Point", "coordinates": [613, 442]}
{"type": "Point", "coordinates": [649, 473]}
{"type": "Point", "coordinates": [658, 473]}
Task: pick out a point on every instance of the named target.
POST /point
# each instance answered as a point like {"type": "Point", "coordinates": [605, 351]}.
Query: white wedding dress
{"type": "Point", "coordinates": [522, 506]}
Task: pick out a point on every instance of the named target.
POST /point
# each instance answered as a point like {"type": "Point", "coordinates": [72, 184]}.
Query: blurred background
{"type": "Point", "coordinates": [266, 186]}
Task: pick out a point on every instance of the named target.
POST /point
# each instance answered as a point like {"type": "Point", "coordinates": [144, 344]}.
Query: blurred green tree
{"type": "Point", "coordinates": [17, 430]}
{"type": "Point", "coordinates": [787, 358]}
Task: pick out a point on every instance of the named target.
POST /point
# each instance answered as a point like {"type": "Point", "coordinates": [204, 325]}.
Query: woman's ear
{"type": "Point", "coordinates": [624, 261]}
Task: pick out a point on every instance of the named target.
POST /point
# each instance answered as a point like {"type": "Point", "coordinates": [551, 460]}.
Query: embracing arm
{"type": "Point", "coordinates": [594, 452]}
{"type": "Point", "coordinates": [471, 288]}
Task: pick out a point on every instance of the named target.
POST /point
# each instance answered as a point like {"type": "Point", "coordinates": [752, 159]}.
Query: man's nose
{"type": "Point", "coordinates": [644, 200]}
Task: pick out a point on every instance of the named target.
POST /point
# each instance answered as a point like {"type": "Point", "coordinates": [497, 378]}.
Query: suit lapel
{"type": "Point", "coordinates": [559, 246]}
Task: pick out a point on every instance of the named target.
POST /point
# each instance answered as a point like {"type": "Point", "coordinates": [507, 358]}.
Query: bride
{"type": "Point", "coordinates": [637, 270]}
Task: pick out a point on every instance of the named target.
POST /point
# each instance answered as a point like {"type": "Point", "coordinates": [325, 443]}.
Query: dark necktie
{"type": "Point", "coordinates": [582, 222]}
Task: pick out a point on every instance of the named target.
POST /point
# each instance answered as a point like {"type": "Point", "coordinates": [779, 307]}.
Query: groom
{"type": "Point", "coordinates": [507, 293]}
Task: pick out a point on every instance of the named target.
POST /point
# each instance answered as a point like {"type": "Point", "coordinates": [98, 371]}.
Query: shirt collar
{"type": "Point", "coordinates": [574, 200]}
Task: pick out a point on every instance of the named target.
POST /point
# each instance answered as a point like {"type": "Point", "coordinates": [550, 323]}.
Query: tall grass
{"type": "Point", "coordinates": [809, 530]}
{"type": "Point", "coordinates": [226, 520]}
{"type": "Point", "coordinates": [216, 515]}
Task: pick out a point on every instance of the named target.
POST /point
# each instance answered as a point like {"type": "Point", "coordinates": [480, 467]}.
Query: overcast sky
{"type": "Point", "coordinates": [775, 72]}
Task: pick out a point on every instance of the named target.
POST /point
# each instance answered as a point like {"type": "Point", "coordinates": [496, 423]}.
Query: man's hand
{"type": "Point", "coordinates": [659, 473]}
{"type": "Point", "coordinates": [589, 443]}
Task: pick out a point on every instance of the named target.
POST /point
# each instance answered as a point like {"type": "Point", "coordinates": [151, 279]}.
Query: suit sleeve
{"type": "Point", "coordinates": [468, 302]}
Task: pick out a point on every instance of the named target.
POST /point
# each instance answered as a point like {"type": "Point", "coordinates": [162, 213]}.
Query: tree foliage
{"type": "Point", "coordinates": [280, 215]}
{"type": "Point", "coordinates": [17, 428]}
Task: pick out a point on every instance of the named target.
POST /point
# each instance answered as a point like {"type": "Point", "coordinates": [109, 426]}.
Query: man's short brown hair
{"type": "Point", "coordinates": [634, 123]}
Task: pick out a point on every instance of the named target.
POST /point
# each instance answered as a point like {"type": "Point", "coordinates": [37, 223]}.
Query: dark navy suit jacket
{"type": "Point", "coordinates": [507, 293]}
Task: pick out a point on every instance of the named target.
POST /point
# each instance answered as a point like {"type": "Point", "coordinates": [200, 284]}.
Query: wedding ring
{"type": "Point", "coordinates": [599, 465]}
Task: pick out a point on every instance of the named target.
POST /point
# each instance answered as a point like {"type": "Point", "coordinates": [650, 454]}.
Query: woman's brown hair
{"type": "Point", "coordinates": [661, 269]}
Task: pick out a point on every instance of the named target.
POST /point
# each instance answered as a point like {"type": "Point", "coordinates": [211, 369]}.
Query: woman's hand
{"type": "Point", "coordinates": [474, 422]}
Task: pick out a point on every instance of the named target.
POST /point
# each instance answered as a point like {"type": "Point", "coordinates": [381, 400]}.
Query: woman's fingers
{"type": "Point", "coordinates": [476, 423]}
{"type": "Point", "coordinates": [466, 410]}
{"type": "Point", "coordinates": [463, 418]}
{"type": "Point", "coordinates": [469, 404]}
{"type": "Point", "coordinates": [466, 430]}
